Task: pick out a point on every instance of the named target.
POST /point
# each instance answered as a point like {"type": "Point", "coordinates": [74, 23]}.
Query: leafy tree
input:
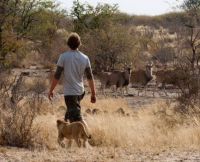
{"type": "Point", "coordinates": [192, 6]}
{"type": "Point", "coordinates": [87, 17]}
{"type": "Point", "coordinates": [109, 48]}
{"type": "Point", "coordinates": [108, 41]}
{"type": "Point", "coordinates": [188, 55]}
{"type": "Point", "coordinates": [26, 20]}
{"type": "Point", "coordinates": [192, 30]}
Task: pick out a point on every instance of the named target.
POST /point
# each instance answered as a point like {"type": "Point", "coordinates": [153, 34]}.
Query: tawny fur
{"type": "Point", "coordinates": [72, 131]}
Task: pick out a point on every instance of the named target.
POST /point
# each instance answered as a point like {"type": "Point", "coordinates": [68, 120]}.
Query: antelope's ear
{"type": "Point", "coordinates": [150, 63]}
{"type": "Point", "coordinates": [131, 66]}
{"type": "Point", "coordinates": [125, 65]}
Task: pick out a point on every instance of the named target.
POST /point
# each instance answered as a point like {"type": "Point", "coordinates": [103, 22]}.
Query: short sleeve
{"type": "Point", "coordinates": [88, 63]}
{"type": "Point", "coordinates": [60, 61]}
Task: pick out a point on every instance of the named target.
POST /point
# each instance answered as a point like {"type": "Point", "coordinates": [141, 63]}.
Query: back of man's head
{"type": "Point", "coordinates": [74, 41]}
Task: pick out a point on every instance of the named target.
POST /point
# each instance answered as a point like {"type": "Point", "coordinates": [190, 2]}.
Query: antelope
{"type": "Point", "coordinates": [142, 77]}
{"type": "Point", "coordinates": [119, 79]}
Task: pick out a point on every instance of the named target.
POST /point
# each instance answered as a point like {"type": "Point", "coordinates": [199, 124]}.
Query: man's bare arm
{"type": "Point", "coordinates": [56, 78]}
{"type": "Point", "coordinates": [90, 80]}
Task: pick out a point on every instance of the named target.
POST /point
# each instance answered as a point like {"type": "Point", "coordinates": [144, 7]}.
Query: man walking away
{"type": "Point", "coordinates": [74, 64]}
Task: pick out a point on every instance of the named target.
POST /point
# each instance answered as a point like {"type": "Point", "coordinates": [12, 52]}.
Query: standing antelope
{"type": "Point", "coordinates": [142, 77]}
{"type": "Point", "coordinates": [119, 79]}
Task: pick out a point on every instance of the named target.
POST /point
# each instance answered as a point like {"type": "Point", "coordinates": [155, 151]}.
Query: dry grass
{"type": "Point", "coordinates": [156, 126]}
{"type": "Point", "coordinates": [109, 104]}
{"type": "Point", "coordinates": [148, 130]}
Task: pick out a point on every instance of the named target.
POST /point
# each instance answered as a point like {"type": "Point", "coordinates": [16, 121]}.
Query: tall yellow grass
{"type": "Point", "coordinates": [153, 127]}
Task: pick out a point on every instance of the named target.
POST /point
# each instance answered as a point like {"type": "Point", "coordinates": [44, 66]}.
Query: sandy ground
{"type": "Point", "coordinates": [99, 154]}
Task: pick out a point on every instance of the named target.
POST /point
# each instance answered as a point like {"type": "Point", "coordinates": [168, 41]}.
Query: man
{"type": "Point", "coordinates": [74, 64]}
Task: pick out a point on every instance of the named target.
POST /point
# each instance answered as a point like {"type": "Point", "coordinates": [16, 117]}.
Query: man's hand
{"type": "Point", "coordinates": [93, 98]}
{"type": "Point", "coordinates": [50, 95]}
{"type": "Point", "coordinates": [53, 85]}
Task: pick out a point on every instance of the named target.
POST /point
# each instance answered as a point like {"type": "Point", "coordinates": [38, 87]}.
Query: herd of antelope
{"type": "Point", "coordinates": [123, 79]}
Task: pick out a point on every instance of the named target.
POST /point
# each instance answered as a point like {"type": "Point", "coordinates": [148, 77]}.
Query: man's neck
{"type": "Point", "coordinates": [74, 50]}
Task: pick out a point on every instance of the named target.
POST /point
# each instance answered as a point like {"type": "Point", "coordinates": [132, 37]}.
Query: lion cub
{"type": "Point", "coordinates": [74, 130]}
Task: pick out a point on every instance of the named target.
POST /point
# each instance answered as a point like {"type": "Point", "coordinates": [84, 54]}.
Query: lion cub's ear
{"type": "Point", "coordinates": [59, 122]}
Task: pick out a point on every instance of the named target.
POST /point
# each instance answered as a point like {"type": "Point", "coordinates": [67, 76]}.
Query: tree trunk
{"type": "Point", "coordinates": [1, 43]}
{"type": "Point", "coordinates": [193, 58]}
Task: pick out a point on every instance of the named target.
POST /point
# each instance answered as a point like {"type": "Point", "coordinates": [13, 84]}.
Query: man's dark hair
{"type": "Point", "coordinates": [74, 41]}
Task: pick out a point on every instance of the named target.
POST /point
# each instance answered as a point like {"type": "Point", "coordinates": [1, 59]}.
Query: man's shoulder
{"type": "Point", "coordinates": [65, 55]}
{"type": "Point", "coordinates": [62, 54]}
{"type": "Point", "coordinates": [83, 55]}
{"type": "Point", "coordinates": [68, 54]}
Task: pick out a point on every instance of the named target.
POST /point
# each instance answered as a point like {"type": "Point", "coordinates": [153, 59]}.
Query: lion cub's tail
{"type": "Point", "coordinates": [85, 132]}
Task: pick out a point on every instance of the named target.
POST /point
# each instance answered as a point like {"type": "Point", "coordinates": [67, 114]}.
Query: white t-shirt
{"type": "Point", "coordinates": [74, 64]}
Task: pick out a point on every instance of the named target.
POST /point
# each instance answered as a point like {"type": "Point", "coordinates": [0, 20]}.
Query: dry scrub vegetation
{"type": "Point", "coordinates": [28, 120]}
{"type": "Point", "coordinates": [154, 127]}
{"type": "Point", "coordinates": [116, 129]}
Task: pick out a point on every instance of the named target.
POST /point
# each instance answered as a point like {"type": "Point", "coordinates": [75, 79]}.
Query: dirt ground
{"type": "Point", "coordinates": [100, 154]}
